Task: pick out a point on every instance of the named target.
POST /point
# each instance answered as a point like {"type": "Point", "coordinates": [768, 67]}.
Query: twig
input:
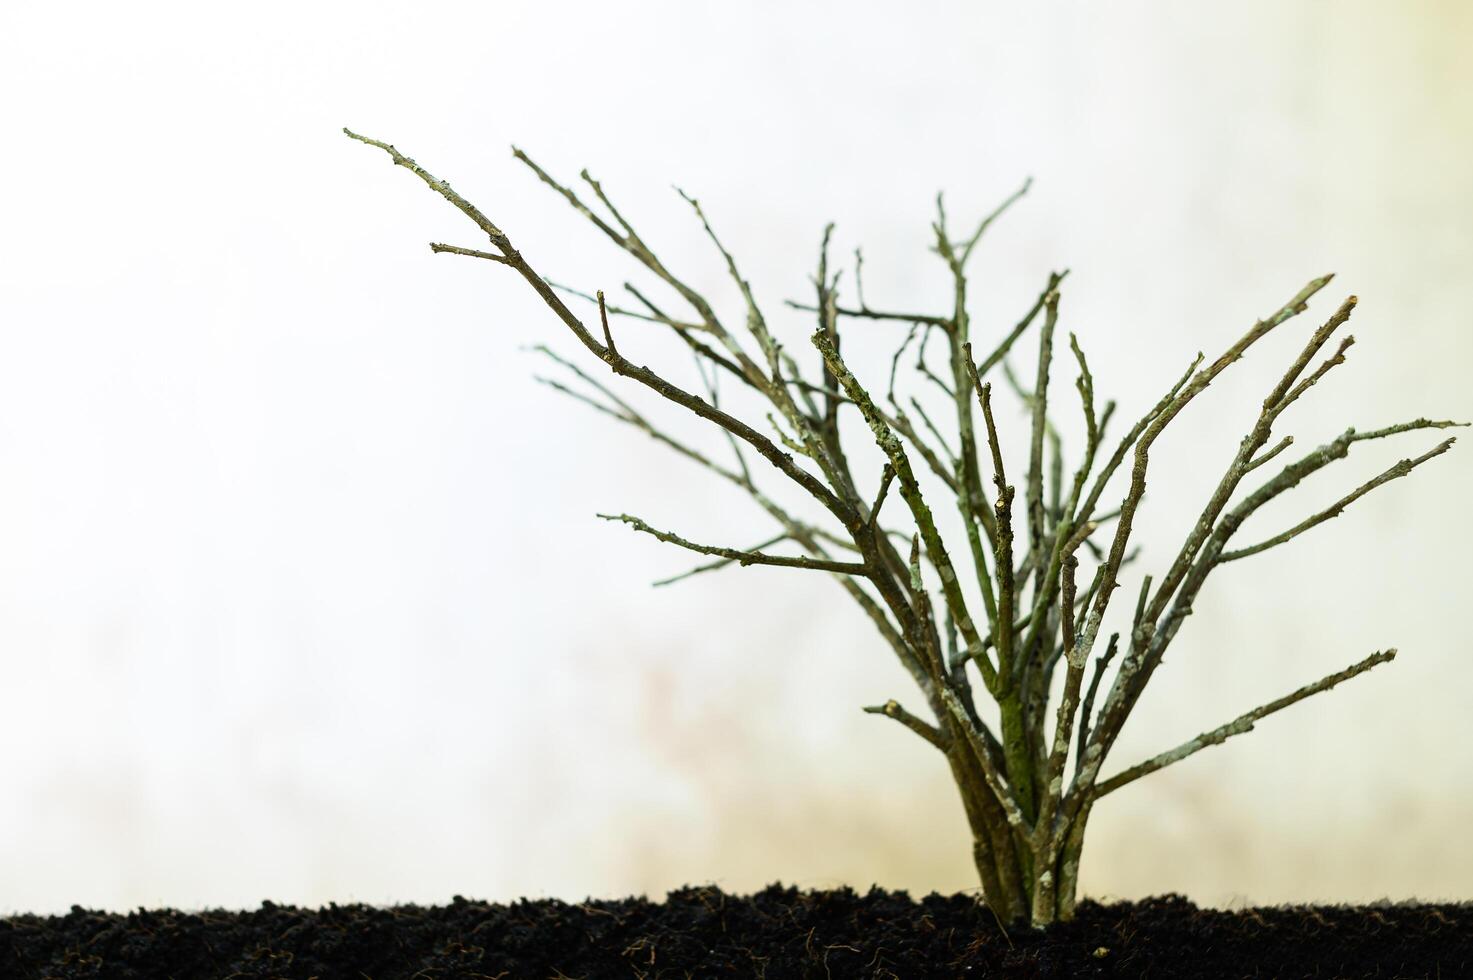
{"type": "Point", "coordinates": [603, 318]}
{"type": "Point", "coordinates": [1398, 469]}
{"type": "Point", "coordinates": [887, 476]}
{"type": "Point", "coordinates": [1258, 461]}
{"type": "Point", "coordinates": [971, 243]}
{"type": "Point", "coordinates": [927, 731]}
{"type": "Point", "coordinates": [1086, 709]}
{"type": "Point", "coordinates": [437, 247]}
{"type": "Point", "coordinates": [719, 563]}
{"type": "Point", "coordinates": [1243, 723]}
{"type": "Point", "coordinates": [739, 556]}
{"type": "Point", "coordinates": [868, 314]}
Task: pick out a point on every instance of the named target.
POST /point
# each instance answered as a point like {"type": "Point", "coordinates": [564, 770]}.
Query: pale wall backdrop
{"type": "Point", "coordinates": [301, 593]}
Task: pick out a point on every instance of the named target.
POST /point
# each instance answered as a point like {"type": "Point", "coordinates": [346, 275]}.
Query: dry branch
{"type": "Point", "coordinates": [1239, 725]}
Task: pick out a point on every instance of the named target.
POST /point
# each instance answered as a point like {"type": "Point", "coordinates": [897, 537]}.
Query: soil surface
{"type": "Point", "coordinates": [774, 934]}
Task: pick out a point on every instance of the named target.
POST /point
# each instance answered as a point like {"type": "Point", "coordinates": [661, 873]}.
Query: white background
{"type": "Point", "coordinates": [301, 592]}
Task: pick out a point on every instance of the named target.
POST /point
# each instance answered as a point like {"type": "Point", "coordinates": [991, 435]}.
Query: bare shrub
{"type": "Point", "coordinates": [1020, 560]}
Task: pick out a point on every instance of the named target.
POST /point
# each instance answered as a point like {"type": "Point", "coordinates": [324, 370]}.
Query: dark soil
{"type": "Point", "coordinates": [777, 933]}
